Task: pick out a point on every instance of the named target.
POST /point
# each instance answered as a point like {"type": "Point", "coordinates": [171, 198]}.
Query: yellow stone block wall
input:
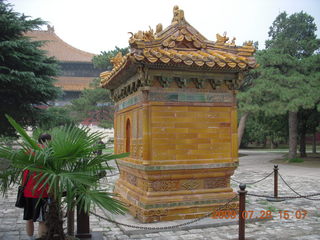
{"type": "Point", "coordinates": [193, 134]}
{"type": "Point", "coordinates": [178, 134]}
{"type": "Point", "coordinates": [135, 116]}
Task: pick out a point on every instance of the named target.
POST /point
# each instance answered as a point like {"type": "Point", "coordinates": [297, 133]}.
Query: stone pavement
{"type": "Point", "coordinates": [308, 228]}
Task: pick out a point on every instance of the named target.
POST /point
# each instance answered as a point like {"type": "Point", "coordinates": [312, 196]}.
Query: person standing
{"type": "Point", "coordinates": [36, 198]}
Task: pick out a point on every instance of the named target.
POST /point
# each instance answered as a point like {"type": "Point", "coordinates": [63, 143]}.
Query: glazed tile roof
{"type": "Point", "coordinates": [56, 47]}
{"type": "Point", "coordinates": [197, 57]}
{"type": "Point", "coordinates": [73, 83]}
{"type": "Point", "coordinates": [181, 44]}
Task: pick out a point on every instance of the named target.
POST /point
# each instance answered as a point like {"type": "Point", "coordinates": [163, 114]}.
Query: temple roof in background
{"type": "Point", "coordinates": [73, 83]}
{"type": "Point", "coordinates": [65, 53]}
{"type": "Point", "coordinates": [59, 49]}
{"type": "Point", "coordinates": [181, 45]}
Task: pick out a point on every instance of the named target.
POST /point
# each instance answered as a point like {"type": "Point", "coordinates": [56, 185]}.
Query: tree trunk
{"type": "Point", "coordinates": [293, 123]}
{"type": "Point", "coordinates": [302, 144]}
{"type": "Point", "coordinates": [314, 141]}
{"type": "Point", "coordinates": [242, 126]}
{"type": "Point", "coordinates": [70, 222]}
{"type": "Point", "coordinates": [54, 222]}
{"type": "Point", "coordinates": [271, 144]}
{"type": "Point", "coordinates": [264, 143]}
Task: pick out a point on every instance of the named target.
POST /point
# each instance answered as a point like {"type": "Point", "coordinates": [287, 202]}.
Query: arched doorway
{"type": "Point", "coordinates": [128, 135]}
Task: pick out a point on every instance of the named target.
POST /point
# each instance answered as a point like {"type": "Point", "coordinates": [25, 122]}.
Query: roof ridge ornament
{"type": "Point", "coordinates": [50, 29]}
{"type": "Point", "coordinates": [178, 15]}
{"type": "Point", "coordinates": [222, 39]}
{"type": "Point", "coordinates": [116, 60]}
{"type": "Point", "coordinates": [145, 36]}
{"type": "Point", "coordinates": [159, 28]}
{"type": "Point", "coordinates": [248, 44]}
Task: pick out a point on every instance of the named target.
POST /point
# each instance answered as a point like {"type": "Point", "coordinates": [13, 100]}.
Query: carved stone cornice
{"type": "Point", "coordinates": [145, 79]}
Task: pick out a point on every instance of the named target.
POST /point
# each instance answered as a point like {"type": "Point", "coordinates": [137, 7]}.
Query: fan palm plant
{"type": "Point", "coordinates": [67, 164]}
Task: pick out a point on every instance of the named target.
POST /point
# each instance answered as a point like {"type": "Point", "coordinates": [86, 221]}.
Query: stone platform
{"type": "Point", "coordinates": [12, 227]}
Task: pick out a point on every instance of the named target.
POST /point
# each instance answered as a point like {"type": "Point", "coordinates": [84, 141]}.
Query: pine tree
{"type": "Point", "coordinates": [93, 104]}
{"type": "Point", "coordinates": [287, 78]}
{"type": "Point", "coordinates": [26, 73]}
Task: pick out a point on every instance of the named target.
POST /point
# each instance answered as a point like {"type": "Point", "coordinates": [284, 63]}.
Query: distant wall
{"type": "Point", "coordinates": [309, 138]}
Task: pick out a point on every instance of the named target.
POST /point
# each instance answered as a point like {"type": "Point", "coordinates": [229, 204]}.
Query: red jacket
{"type": "Point", "coordinates": [40, 191]}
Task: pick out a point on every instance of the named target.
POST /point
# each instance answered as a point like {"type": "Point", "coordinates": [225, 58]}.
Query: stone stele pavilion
{"type": "Point", "coordinates": [176, 114]}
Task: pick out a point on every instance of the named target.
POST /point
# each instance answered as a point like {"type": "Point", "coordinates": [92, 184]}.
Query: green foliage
{"type": "Point", "coordinates": [282, 85]}
{"type": "Point", "coordinates": [55, 116]}
{"type": "Point", "coordinates": [29, 142]}
{"type": "Point", "coordinates": [295, 160]}
{"type": "Point", "coordinates": [26, 74]}
{"type": "Point", "coordinates": [67, 163]}
{"type": "Point", "coordinates": [260, 128]}
{"type": "Point", "coordinates": [102, 61]}
{"type": "Point", "coordinates": [294, 35]}
{"type": "Point", "coordinates": [288, 79]}
{"type": "Point", "coordinates": [285, 81]}
{"type": "Point", "coordinates": [309, 120]}
{"type": "Point", "coordinates": [289, 63]}
{"type": "Point", "coordinates": [93, 103]}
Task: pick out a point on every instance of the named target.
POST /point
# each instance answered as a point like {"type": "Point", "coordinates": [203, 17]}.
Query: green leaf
{"type": "Point", "coordinates": [22, 133]}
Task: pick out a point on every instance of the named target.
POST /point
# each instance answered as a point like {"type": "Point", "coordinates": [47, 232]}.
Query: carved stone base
{"type": "Point", "coordinates": [154, 196]}
{"type": "Point", "coordinates": [177, 211]}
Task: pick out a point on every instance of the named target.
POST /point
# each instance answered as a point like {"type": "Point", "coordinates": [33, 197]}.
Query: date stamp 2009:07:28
{"type": "Point", "coordinates": [263, 214]}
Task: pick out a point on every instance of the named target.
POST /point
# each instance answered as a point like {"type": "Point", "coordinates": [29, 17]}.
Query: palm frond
{"type": "Point", "coordinates": [67, 163]}
{"type": "Point", "coordinates": [101, 199]}
{"type": "Point", "coordinates": [22, 132]}
{"type": "Point", "coordinates": [8, 178]}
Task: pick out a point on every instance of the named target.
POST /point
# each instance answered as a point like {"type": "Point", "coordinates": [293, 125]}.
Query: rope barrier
{"type": "Point", "coordinates": [283, 197]}
{"type": "Point", "coordinates": [250, 183]}
{"type": "Point", "coordinates": [165, 227]}
{"type": "Point", "coordinates": [306, 197]}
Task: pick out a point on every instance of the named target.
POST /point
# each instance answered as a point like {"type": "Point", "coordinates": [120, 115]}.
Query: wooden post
{"type": "Point", "coordinates": [275, 197]}
{"type": "Point", "coordinates": [242, 211]}
{"type": "Point", "coordinates": [83, 224]}
{"type": "Point", "coordinates": [275, 171]}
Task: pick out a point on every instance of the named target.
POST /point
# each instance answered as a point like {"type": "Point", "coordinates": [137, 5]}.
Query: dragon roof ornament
{"type": "Point", "coordinates": [178, 15]}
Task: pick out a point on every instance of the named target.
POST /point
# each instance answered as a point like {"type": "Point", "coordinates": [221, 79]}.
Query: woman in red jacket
{"type": "Point", "coordinates": [36, 199]}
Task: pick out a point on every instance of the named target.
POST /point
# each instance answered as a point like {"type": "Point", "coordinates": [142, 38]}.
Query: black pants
{"type": "Point", "coordinates": [34, 209]}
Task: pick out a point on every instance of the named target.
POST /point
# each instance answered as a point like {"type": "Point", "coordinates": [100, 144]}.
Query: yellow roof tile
{"type": "Point", "coordinates": [56, 47]}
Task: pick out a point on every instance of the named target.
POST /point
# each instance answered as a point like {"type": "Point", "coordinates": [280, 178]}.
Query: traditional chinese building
{"type": "Point", "coordinates": [176, 114]}
{"type": "Point", "coordinates": [76, 67]}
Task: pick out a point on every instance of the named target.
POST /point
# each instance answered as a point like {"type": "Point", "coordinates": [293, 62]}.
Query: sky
{"type": "Point", "coordinates": [100, 25]}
